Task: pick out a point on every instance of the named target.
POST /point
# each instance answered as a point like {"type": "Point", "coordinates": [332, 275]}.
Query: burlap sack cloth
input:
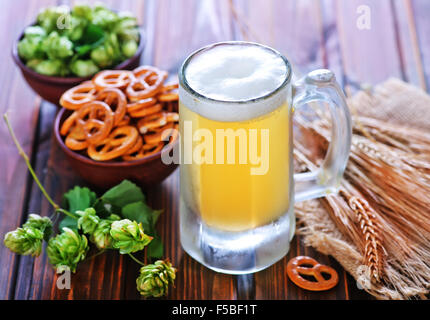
{"type": "Point", "coordinates": [393, 101]}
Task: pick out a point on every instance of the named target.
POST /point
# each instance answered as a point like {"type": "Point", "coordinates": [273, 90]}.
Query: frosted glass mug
{"type": "Point", "coordinates": [237, 216]}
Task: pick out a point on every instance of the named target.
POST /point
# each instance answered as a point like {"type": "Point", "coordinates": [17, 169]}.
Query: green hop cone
{"type": "Point", "coordinates": [88, 220]}
{"type": "Point", "coordinates": [128, 236]}
{"type": "Point", "coordinates": [154, 279]}
{"type": "Point", "coordinates": [67, 249]}
{"type": "Point", "coordinates": [44, 224]}
{"type": "Point", "coordinates": [25, 241]}
{"type": "Point", "coordinates": [101, 236]}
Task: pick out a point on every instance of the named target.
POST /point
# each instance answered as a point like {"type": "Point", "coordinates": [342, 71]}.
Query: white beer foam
{"type": "Point", "coordinates": [235, 73]}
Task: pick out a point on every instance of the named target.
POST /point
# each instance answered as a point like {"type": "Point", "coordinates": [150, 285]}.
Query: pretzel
{"type": "Point", "coordinates": [168, 133]}
{"type": "Point", "coordinates": [145, 151]}
{"type": "Point", "coordinates": [76, 140]}
{"type": "Point", "coordinates": [295, 270]}
{"type": "Point", "coordinates": [147, 83]}
{"type": "Point", "coordinates": [156, 121]}
{"type": "Point", "coordinates": [115, 99]}
{"type": "Point", "coordinates": [96, 120]}
{"type": "Point", "coordinates": [68, 123]}
{"type": "Point", "coordinates": [174, 133]}
{"type": "Point", "coordinates": [76, 97]}
{"type": "Point", "coordinates": [168, 97]}
{"type": "Point", "coordinates": [169, 87]}
{"type": "Point", "coordinates": [119, 79]}
{"type": "Point", "coordinates": [149, 149]}
{"type": "Point", "coordinates": [115, 145]}
{"type": "Point", "coordinates": [111, 110]}
{"type": "Point", "coordinates": [160, 134]}
{"type": "Point", "coordinates": [171, 106]}
{"type": "Point", "coordinates": [151, 122]}
{"type": "Point", "coordinates": [136, 147]}
{"type": "Point", "coordinates": [141, 104]}
{"type": "Point", "coordinates": [146, 111]}
{"type": "Point", "coordinates": [124, 122]}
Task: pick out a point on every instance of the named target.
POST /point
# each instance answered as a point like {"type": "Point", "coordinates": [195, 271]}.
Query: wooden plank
{"type": "Point", "coordinates": [418, 12]}
{"type": "Point", "coordinates": [368, 56]}
{"type": "Point", "coordinates": [180, 27]}
{"type": "Point", "coordinates": [407, 39]}
{"type": "Point", "coordinates": [20, 102]}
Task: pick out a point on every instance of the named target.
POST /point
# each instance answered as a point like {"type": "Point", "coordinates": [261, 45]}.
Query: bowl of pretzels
{"type": "Point", "coordinates": [120, 125]}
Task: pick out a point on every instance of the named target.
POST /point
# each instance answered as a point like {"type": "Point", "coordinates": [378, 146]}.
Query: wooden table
{"type": "Point", "coordinates": [312, 34]}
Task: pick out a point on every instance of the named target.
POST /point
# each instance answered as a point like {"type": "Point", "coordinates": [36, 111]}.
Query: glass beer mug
{"type": "Point", "coordinates": [237, 183]}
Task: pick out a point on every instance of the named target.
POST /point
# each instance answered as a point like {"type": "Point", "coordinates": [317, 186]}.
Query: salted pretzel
{"type": "Point", "coordinates": [145, 151]}
{"type": "Point", "coordinates": [169, 87]}
{"type": "Point", "coordinates": [119, 79]}
{"type": "Point", "coordinates": [161, 134]}
{"type": "Point", "coordinates": [96, 120]}
{"type": "Point", "coordinates": [169, 132]}
{"type": "Point", "coordinates": [76, 97]}
{"type": "Point", "coordinates": [151, 122]}
{"type": "Point", "coordinates": [76, 139]}
{"type": "Point", "coordinates": [68, 123]}
{"type": "Point", "coordinates": [122, 114]}
{"type": "Point", "coordinates": [115, 145]}
{"type": "Point", "coordinates": [298, 266]}
{"type": "Point", "coordinates": [136, 147]}
{"type": "Point", "coordinates": [156, 121]}
{"type": "Point", "coordinates": [147, 82]}
{"type": "Point", "coordinates": [166, 94]}
{"type": "Point", "coordinates": [125, 121]}
{"type": "Point", "coordinates": [146, 111]}
{"type": "Point", "coordinates": [116, 100]}
{"type": "Point", "coordinates": [171, 106]}
{"type": "Point", "coordinates": [168, 97]}
{"type": "Point", "coordinates": [141, 104]}
{"type": "Point", "coordinates": [174, 133]}
{"type": "Point", "coordinates": [149, 149]}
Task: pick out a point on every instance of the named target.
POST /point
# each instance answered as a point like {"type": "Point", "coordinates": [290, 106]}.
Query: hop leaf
{"type": "Point", "coordinates": [67, 249]}
{"type": "Point", "coordinates": [128, 236]}
{"type": "Point", "coordinates": [25, 241]}
{"type": "Point", "coordinates": [154, 279]}
{"type": "Point", "coordinates": [101, 236]}
{"type": "Point", "coordinates": [44, 224]}
{"type": "Point", "coordinates": [88, 220]}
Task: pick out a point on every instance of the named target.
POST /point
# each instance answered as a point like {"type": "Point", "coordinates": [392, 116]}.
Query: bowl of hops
{"type": "Point", "coordinates": [66, 46]}
{"type": "Point", "coordinates": [120, 125]}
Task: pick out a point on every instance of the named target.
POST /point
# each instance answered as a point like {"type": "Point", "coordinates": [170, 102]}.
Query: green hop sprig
{"type": "Point", "coordinates": [43, 224]}
{"type": "Point", "coordinates": [25, 241]}
{"type": "Point", "coordinates": [101, 236]}
{"type": "Point", "coordinates": [67, 249]}
{"type": "Point", "coordinates": [128, 236]}
{"type": "Point", "coordinates": [88, 220]}
{"type": "Point", "coordinates": [28, 239]}
{"type": "Point", "coordinates": [154, 279]}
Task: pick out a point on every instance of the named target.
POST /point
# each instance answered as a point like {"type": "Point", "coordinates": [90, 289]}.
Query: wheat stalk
{"type": "Point", "coordinates": [355, 218]}
{"type": "Point", "coordinates": [374, 251]}
{"type": "Point", "coordinates": [383, 207]}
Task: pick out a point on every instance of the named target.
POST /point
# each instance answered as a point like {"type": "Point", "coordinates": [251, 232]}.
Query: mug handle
{"type": "Point", "coordinates": [321, 85]}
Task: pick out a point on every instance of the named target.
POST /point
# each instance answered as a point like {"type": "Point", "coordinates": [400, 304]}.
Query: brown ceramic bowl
{"type": "Point", "coordinates": [51, 88]}
{"type": "Point", "coordinates": [147, 172]}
